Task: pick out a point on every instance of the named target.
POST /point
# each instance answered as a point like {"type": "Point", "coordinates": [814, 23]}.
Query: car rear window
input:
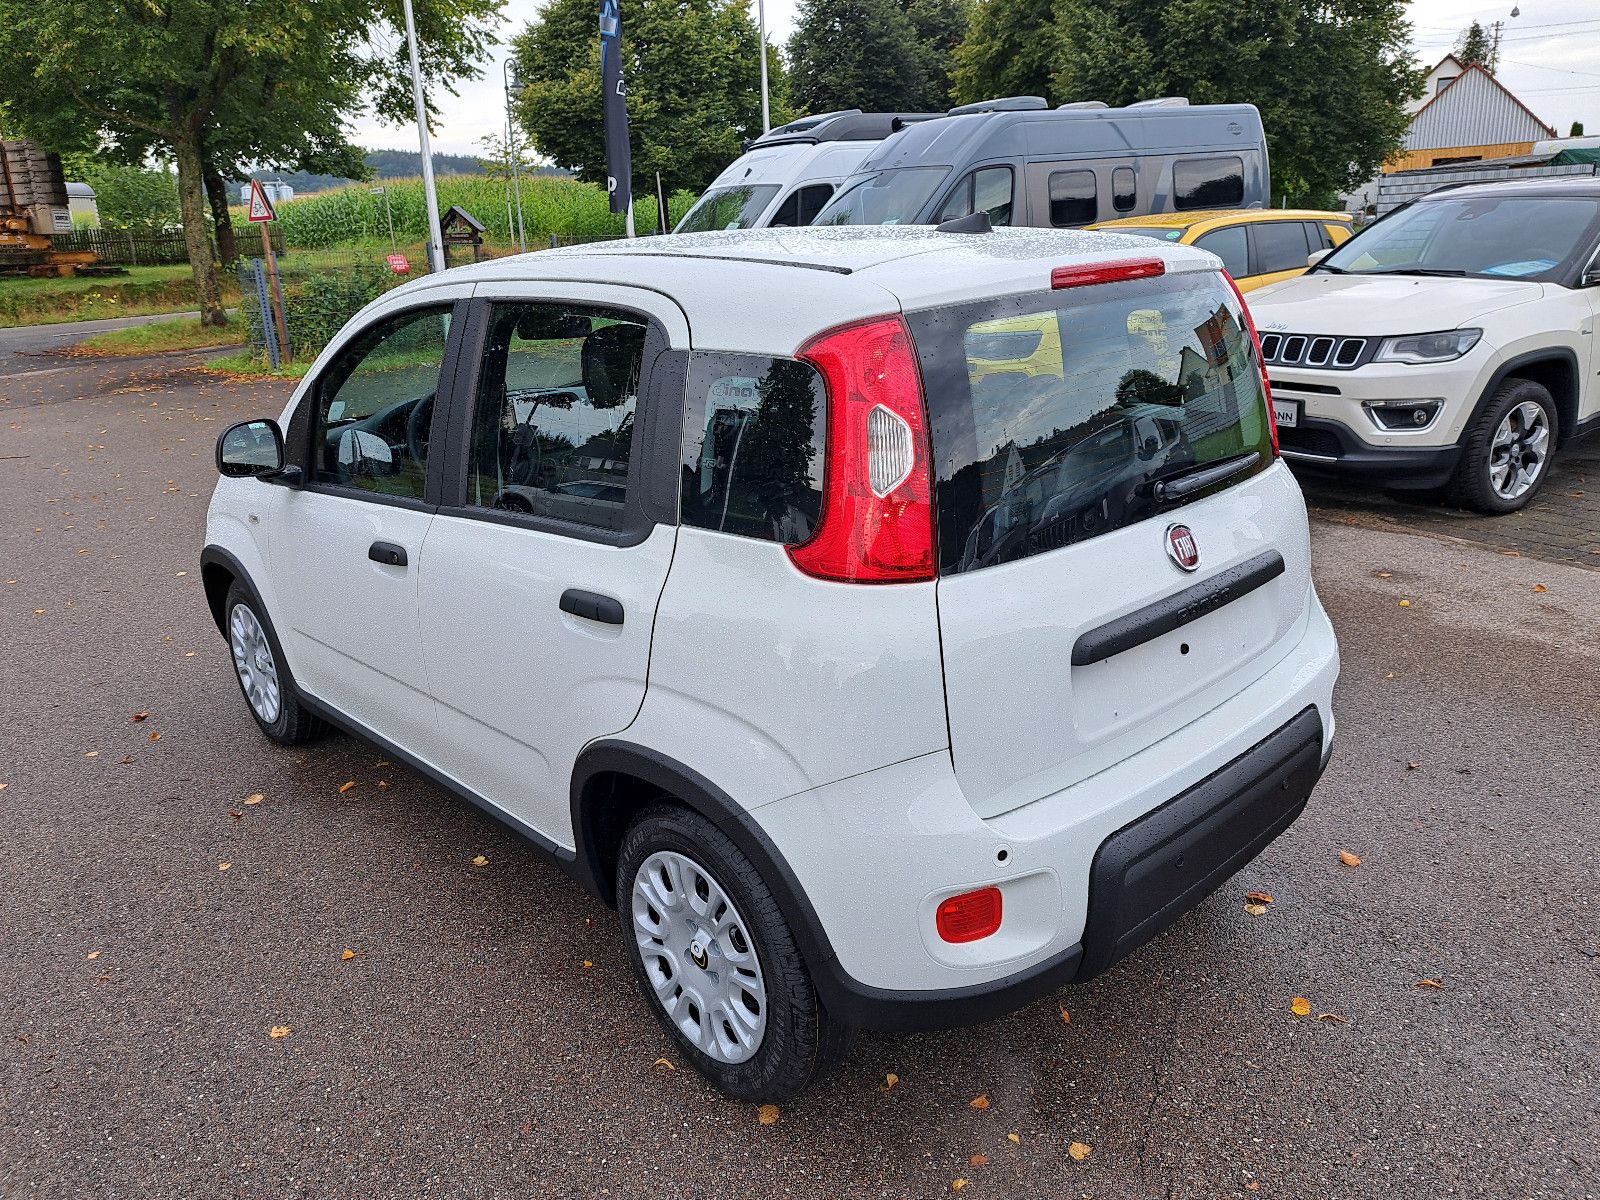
{"type": "Point", "coordinates": [753, 441]}
{"type": "Point", "coordinates": [1054, 414]}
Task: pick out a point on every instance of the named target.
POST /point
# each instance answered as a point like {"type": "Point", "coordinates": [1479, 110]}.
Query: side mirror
{"type": "Point", "coordinates": [250, 448]}
{"type": "Point", "coordinates": [1591, 277]}
{"type": "Point", "coordinates": [1317, 256]}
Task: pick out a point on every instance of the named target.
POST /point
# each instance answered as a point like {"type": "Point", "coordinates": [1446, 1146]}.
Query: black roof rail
{"type": "Point", "coordinates": [1001, 104]}
{"type": "Point", "coordinates": [847, 125]}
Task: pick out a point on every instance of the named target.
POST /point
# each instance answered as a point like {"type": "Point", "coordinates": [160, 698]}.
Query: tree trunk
{"type": "Point", "coordinates": [196, 236]}
{"type": "Point", "coordinates": [217, 193]}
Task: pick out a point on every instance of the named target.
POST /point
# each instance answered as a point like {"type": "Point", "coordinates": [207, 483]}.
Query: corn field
{"type": "Point", "coordinates": [550, 205]}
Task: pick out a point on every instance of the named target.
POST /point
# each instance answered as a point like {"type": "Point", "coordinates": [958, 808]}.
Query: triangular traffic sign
{"type": "Point", "coordinates": [260, 206]}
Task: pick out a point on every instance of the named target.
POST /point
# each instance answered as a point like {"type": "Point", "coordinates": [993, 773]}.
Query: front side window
{"type": "Point", "coordinates": [1053, 415]}
{"type": "Point", "coordinates": [988, 190]}
{"type": "Point", "coordinates": [753, 442]}
{"type": "Point", "coordinates": [1232, 246]}
{"type": "Point", "coordinates": [1073, 198]}
{"type": "Point", "coordinates": [1281, 246]}
{"type": "Point", "coordinates": [728, 208]}
{"type": "Point", "coordinates": [553, 428]}
{"type": "Point", "coordinates": [1515, 237]}
{"type": "Point", "coordinates": [1207, 183]}
{"type": "Point", "coordinates": [375, 406]}
{"type": "Point", "coordinates": [892, 197]}
{"type": "Point", "coordinates": [802, 205]}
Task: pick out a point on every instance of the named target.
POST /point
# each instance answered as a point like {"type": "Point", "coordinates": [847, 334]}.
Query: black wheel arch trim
{"type": "Point", "coordinates": [1563, 355]}
{"type": "Point", "coordinates": [215, 556]}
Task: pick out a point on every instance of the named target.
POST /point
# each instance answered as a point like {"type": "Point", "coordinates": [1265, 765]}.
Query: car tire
{"type": "Point", "coordinates": [263, 675]}
{"type": "Point", "coordinates": [1498, 476]}
{"type": "Point", "coordinates": [679, 852]}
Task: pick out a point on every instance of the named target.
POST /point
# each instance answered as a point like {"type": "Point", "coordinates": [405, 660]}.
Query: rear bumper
{"type": "Point", "coordinates": [1327, 447]}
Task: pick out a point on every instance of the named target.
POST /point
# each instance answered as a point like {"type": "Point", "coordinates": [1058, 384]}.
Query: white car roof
{"type": "Point", "coordinates": [769, 290]}
{"type": "Point", "coordinates": [793, 162]}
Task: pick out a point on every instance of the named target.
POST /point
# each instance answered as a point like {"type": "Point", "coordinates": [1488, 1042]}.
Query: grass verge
{"type": "Point", "coordinates": [249, 365]}
{"type": "Point", "coordinates": [184, 334]}
{"type": "Point", "coordinates": [141, 292]}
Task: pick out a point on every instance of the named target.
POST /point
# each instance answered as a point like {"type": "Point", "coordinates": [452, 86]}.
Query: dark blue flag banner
{"type": "Point", "coordinates": [619, 157]}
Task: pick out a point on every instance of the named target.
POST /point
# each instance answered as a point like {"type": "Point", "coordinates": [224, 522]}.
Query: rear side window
{"type": "Point", "coordinates": [1281, 246]}
{"type": "Point", "coordinates": [1231, 245]}
{"type": "Point", "coordinates": [803, 204]}
{"type": "Point", "coordinates": [1124, 194]}
{"type": "Point", "coordinates": [1054, 413]}
{"type": "Point", "coordinates": [1207, 183]}
{"type": "Point", "coordinates": [1072, 198]}
{"type": "Point", "coordinates": [753, 441]}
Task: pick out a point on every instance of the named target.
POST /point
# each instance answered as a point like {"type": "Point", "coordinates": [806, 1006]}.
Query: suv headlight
{"type": "Point", "coordinates": [1428, 347]}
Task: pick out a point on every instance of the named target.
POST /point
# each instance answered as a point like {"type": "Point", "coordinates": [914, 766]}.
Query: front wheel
{"type": "Point", "coordinates": [1508, 449]}
{"type": "Point", "coordinates": [264, 676]}
{"type": "Point", "coordinates": [717, 962]}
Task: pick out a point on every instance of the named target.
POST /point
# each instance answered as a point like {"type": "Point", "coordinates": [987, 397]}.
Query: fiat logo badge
{"type": "Point", "coordinates": [1181, 548]}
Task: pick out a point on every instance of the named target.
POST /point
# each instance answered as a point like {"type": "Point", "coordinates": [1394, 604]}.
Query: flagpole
{"type": "Point", "coordinates": [766, 107]}
{"type": "Point", "coordinates": [435, 241]}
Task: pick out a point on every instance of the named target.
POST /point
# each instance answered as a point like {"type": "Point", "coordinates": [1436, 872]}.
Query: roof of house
{"type": "Point", "coordinates": [1474, 109]}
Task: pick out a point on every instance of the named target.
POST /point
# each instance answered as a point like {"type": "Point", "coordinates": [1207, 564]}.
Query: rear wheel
{"type": "Point", "coordinates": [717, 962]}
{"type": "Point", "coordinates": [264, 676]}
{"type": "Point", "coordinates": [1508, 449]}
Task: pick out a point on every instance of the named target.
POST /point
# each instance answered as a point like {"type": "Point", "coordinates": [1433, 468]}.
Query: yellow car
{"type": "Point", "coordinates": [1258, 245]}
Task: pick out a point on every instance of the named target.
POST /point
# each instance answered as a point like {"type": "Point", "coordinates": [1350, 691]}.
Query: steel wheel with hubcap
{"type": "Point", "coordinates": [252, 659]}
{"type": "Point", "coordinates": [716, 960]}
{"type": "Point", "coordinates": [1505, 452]}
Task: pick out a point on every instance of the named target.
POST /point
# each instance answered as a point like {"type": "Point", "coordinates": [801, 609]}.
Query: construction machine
{"type": "Point", "coordinates": [33, 210]}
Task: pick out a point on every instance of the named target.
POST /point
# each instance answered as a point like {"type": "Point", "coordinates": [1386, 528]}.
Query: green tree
{"type": "Point", "coordinates": [693, 79]}
{"type": "Point", "coordinates": [1010, 51]}
{"type": "Point", "coordinates": [201, 81]}
{"type": "Point", "coordinates": [876, 55]}
{"type": "Point", "coordinates": [1576, 130]}
{"type": "Point", "coordinates": [1473, 46]}
{"type": "Point", "coordinates": [137, 199]}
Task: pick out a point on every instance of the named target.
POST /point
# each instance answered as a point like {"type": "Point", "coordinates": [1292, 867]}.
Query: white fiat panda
{"type": "Point", "coordinates": [893, 625]}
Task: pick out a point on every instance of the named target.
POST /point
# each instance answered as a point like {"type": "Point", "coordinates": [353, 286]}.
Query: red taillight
{"type": "Point", "coordinates": [1266, 384]}
{"type": "Point", "coordinates": [970, 916]}
{"type": "Point", "coordinates": [877, 507]}
{"type": "Point", "coordinates": [1107, 272]}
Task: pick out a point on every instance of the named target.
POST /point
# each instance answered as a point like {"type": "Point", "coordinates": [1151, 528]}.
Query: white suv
{"type": "Point", "coordinates": [1449, 346]}
{"type": "Point", "coordinates": [893, 625]}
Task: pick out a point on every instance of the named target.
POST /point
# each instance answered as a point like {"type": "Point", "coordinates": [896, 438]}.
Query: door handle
{"type": "Point", "coordinates": [592, 606]}
{"type": "Point", "coordinates": [387, 553]}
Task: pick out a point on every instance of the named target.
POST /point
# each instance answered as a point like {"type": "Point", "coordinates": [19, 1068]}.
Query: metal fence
{"type": "Point", "coordinates": [124, 248]}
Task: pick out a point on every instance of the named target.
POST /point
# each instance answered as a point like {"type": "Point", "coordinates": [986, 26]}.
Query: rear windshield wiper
{"type": "Point", "coordinates": [1418, 271]}
{"type": "Point", "coordinates": [1188, 480]}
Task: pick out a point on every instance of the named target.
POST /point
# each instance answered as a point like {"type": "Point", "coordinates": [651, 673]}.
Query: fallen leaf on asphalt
{"type": "Point", "coordinates": [384, 763]}
{"type": "Point", "coordinates": [223, 866]}
{"type": "Point", "coordinates": [661, 1062]}
{"type": "Point", "coordinates": [345, 787]}
{"type": "Point", "coordinates": [889, 1082]}
{"type": "Point", "coordinates": [1253, 1186]}
{"type": "Point", "coordinates": [1429, 983]}
{"type": "Point", "coordinates": [1066, 1017]}
{"type": "Point", "coordinates": [181, 574]}
{"type": "Point", "coordinates": [1413, 766]}
{"type": "Point", "coordinates": [139, 716]}
{"type": "Point", "coordinates": [1348, 859]}
{"type": "Point", "coordinates": [91, 754]}
{"type": "Point", "coordinates": [124, 760]}
{"type": "Point", "coordinates": [979, 1160]}
{"type": "Point", "coordinates": [767, 1114]}
{"type": "Point", "coordinates": [1539, 587]}
{"type": "Point", "coordinates": [4, 786]}
{"type": "Point", "coordinates": [1080, 1151]}
{"type": "Point", "coordinates": [1259, 897]}
{"type": "Point", "coordinates": [154, 736]}
{"type": "Point", "coordinates": [236, 814]}
{"type": "Point", "coordinates": [92, 955]}
{"type": "Point", "coordinates": [347, 956]}
{"type": "Point", "coordinates": [1385, 574]}
{"type": "Point", "coordinates": [1014, 1139]}
{"type": "Point", "coordinates": [587, 964]}
{"type": "Point", "coordinates": [957, 1184]}
{"type": "Point", "coordinates": [480, 861]}
{"type": "Point", "coordinates": [1256, 910]}
{"type": "Point", "coordinates": [279, 1031]}
{"type": "Point", "coordinates": [1300, 1006]}
{"type": "Point", "coordinates": [38, 612]}
{"type": "Point", "coordinates": [257, 798]}
{"type": "Point", "coordinates": [979, 1102]}
{"type": "Point", "coordinates": [1405, 604]}
{"type": "Point", "coordinates": [383, 785]}
{"type": "Point", "coordinates": [1334, 1018]}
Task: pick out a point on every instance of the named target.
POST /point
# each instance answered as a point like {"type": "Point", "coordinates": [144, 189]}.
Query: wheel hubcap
{"type": "Point", "coordinates": [252, 658]}
{"type": "Point", "coordinates": [1520, 449]}
{"type": "Point", "coordinates": [699, 957]}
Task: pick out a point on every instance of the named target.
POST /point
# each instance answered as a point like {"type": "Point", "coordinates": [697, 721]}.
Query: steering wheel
{"type": "Point", "coordinates": [418, 424]}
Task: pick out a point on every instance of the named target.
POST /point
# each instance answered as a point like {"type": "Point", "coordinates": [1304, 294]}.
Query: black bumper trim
{"type": "Point", "coordinates": [1396, 467]}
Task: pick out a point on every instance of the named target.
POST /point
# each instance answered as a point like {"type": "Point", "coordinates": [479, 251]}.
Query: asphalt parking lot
{"type": "Point", "coordinates": [485, 1039]}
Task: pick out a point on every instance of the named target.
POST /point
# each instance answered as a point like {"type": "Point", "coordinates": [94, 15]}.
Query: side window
{"type": "Point", "coordinates": [1232, 246]}
{"type": "Point", "coordinates": [988, 190]}
{"type": "Point", "coordinates": [1207, 183]}
{"type": "Point", "coordinates": [375, 406]}
{"type": "Point", "coordinates": [803, 204]}
{"type": "Point", "coordinates": [1318, 236]}
{"type": "Point", "coordinates": [753, 441]}
{"type": "Point", "coordinates": [1281, 246]}
{"type": "Point", "coordinates": [1073, 198]}
{"type": "Point", "coordinates": [1124, 193]}
{"type": "Point", "coordinates": [553, 428]}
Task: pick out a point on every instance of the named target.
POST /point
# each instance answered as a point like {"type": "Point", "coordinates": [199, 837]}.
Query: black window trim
{"type": "Point", "coordinates": [658, 415]}
{"type": "Point", "coordinates": [303, 425]}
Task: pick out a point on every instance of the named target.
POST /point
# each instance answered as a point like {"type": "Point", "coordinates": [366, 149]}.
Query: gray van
{"type": "Point", "coordinates": [1025, 163]}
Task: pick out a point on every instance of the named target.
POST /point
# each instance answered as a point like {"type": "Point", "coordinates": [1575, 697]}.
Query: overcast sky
{"type": "Point", "coordinates": [1549, 56]}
